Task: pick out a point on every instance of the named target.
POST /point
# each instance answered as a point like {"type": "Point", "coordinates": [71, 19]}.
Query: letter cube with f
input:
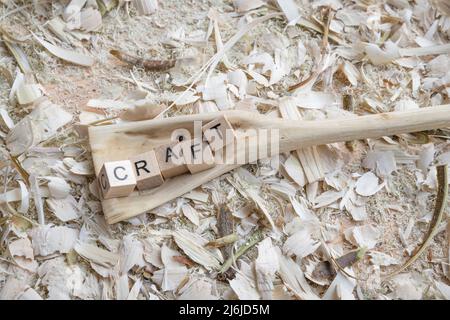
{"type": "Point", "coordinates": [116, 179]}
{"type": "Point", "coordinates": [197, 155]}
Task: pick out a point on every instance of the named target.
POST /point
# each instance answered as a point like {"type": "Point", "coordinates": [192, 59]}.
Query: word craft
{"type": "Point", "coordinates": [182, 155]}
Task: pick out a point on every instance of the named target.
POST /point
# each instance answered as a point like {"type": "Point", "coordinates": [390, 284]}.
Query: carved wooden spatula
{"type": "Point", "coordinates": [120, 141]}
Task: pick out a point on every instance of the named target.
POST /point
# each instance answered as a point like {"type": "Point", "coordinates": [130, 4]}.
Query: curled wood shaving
{"type": "Point", "coordinates": [25, 198]}
{"type": "Point", "coordinates": [441, 201]}
{"type": "Point", "coordinates": [439, 211]}
{"type": "Point", "coordinates": [260, 204]}
{"type": "Point", "coordinates": [194, 251]}
{"type": "Point", "coordinates": [247, 5]}
{"type": "Point", "coordinates": [97, 255]}
{"type": "Point", "coordinates": [143, 111]}
{"type": "Point", "coordinates": [150, 65]}
{"type": "Point", "coordinates": [290, 10]}
{"type": "Point", "coordinates": [266, 265]}
{"type": "Point", "coordinates": [301, 83]}
{"type": "Point", "coordinates": [67, 55]}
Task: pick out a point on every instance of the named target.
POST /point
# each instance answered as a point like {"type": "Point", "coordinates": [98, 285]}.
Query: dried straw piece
{"type": "Point", "coordinates": [254, 239]}
{"type": "Point", "coordinates": [150, 65]}
{"type": "Point", "coordinates": [19, 55]}
{"type": "Point", "coordinates": [326, 28]}
{"type": "Point", "coordinates": [315, 26]}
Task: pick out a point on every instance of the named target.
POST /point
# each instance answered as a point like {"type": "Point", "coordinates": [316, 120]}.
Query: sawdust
{"type": "Point", "coordinates": [173, 32]}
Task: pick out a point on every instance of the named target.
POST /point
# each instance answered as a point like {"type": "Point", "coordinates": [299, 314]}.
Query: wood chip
{"type": "Point", "coordinates": [96, 255]}
{"type": "Point", "coordinates": [66, 55]}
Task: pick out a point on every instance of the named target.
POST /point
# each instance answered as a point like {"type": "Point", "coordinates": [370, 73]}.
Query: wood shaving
{"type": "Point", "coordinates": [185, 240]}
{"type": "Point", "coordinates": [67, 55]}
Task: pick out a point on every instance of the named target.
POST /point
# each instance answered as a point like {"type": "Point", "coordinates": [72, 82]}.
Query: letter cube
{"type": "Point", "coordinates": [218, 133]}
{"type": "Point", "coordinates": [197, 155]}
{"type": "Point", "coordinates": [170, 159]}
{"type": "Point", "coordinates": [146, 170]}
{"type": "Point", "coordinates": [116, 179]}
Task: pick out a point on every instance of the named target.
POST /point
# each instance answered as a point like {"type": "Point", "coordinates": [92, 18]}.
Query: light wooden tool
{"type": "Point", "coordinates": [121, 141]}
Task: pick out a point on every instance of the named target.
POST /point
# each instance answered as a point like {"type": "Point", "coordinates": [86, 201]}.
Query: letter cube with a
{"type": "Point", "coordinates": [170, 159]}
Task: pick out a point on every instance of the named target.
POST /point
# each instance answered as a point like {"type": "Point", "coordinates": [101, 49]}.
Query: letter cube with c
{"type": "Point", "coordinates": [116, 179]}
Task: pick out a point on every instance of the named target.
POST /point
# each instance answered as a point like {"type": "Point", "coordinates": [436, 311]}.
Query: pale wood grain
{"type": "Point", "coordinates": [120, 141]}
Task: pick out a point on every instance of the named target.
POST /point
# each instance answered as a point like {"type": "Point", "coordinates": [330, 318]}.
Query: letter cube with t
{"type": "Point", "coordinates": [116, 179]}
{"type": "Point", "coordinates": [197, 155]}
{"type": "Point", "coordinates": [147, 171]}
{"type": "Point", "coordinates": [218, 133]}
{"type": "Point", "coordinates": [170, 159]}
